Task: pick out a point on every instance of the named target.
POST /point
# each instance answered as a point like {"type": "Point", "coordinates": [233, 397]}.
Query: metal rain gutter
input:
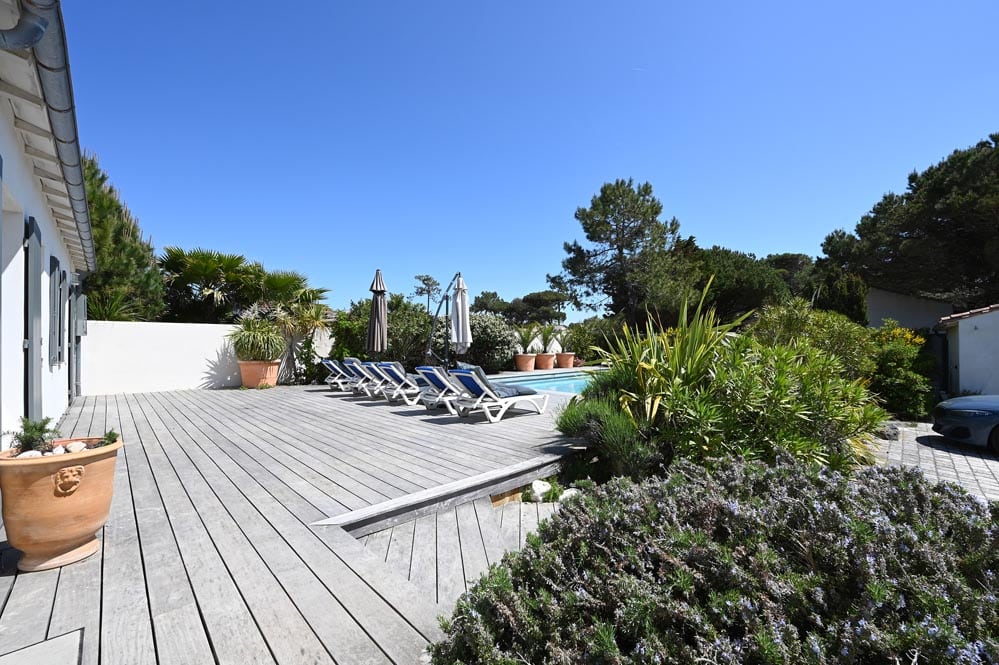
{"type": "Point", "coordinates": [52, 64]}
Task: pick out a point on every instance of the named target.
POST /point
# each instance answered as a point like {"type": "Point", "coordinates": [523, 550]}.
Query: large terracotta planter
{"type": "Point", "coordinates": [255, 373]}
{"type": "Point", "coordinates": [565, 359]}
{"type": "Point", "coordinates": [524, 362]}
{"type": "Point", "coordinates": [545, 361]}
{"type": "Point", "coordinates": [53, 506]}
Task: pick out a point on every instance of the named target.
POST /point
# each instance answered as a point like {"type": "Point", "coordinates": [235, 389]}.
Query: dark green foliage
{"type": "Point", "coordinates": [901, 379]}
{"type": "Point", "coordinates": [630, 263]}
{"type": "Point", "coordinates": [109, 438]}
{"type": "Point", "coordinates": [34, 435]}
{"type": "Point", "coordinates": [126, 285]}
{"type": "Point", "coordinates": [745, 563]}
{"type": "Point", "coordinates": [741, 282]}
{"type": "Point", "coordinates": [206, 286]}
{"type": "Point", "coordinates": [612, 436]}
{"type": "Point", "coordinates": [408, 326]}
{"type": "Point", "coordinates": [581, 337]}
{"type": "Point", "coordinates": [937, 239]}
{"type": "Point", "coordinates": [839, 291]}
{"type": "Point", "coordinates": [541, 307]}
{"type": "Point", "coordinates": [493, 342]}
{"type": "Point", "coordinates": [489, 302]}
{"type": "Point", "coordinates": [797, 271]}
{"type": "Point", "coordinates": [427, 286]}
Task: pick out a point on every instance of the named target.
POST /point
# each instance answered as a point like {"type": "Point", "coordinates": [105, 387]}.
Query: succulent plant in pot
{"type": "Point", "coordinates": [546, 358]}
{"type": "Point", "coordinates": [564, 357]}
{"type": "Point", "coordinates": [258, 344]}
{"type": "Point", "coordinates": [56, 493]}
{"type": "Point", "coordinates": [524, 361]}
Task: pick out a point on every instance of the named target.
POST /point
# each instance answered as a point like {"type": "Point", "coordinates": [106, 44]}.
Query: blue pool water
{"type": "Point", "coordinates": [563, 382]}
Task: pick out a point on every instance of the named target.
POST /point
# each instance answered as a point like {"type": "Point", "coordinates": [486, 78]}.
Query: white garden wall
{"type": "Point", "coordinates": [127, 357]}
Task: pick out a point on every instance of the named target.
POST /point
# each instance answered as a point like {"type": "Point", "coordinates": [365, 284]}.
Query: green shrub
{"type": "Point", "coordinates": [494, 341]}
{"type": "Point", "coordinates": [701, 391]}
{"type": "Point", "coordinates": [257, 339]}
{"type": "Point", "coordinates": [795, 322]}
{"type": "Point", "coordinates": [744, 563]}
{"type": "Point", "coordinates": [581, 337]}
{"type": "Point", "coordinates": [34, 435]}
{"type": "Point", "coordinates": [901, 378]}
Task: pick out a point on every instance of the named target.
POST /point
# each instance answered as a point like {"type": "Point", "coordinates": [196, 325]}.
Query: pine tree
{"type": "Point", "coordinates": [127, 285]}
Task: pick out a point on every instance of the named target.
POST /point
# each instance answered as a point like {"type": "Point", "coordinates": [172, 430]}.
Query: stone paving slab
{"type": "Point", "coordinates": [976, 469]}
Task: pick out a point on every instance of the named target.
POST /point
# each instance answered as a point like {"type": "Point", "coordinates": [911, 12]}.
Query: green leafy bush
{"type": "Point", "coordinates": [745, 563]}
{"type": "Point", "coordinates": [257, 339]}
{"type": "Point", "coordinates": [494, 341]}
{"type": "Point", "coordinates": [701, 391]}
{"type": "Point", "coordinates": [901, 378]}
{"type": "Point", "coordinates": [581, 337]}
{"type": "Point", "coordinates": [795, 322]}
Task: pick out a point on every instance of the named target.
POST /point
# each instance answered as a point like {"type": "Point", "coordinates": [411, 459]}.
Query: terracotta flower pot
{"type": "Point", "coordinates": [524, 362]}
{"type": "Point", "coordinates": [565, 359]}
{"type": "Point", "coordinates": [53, 506]}
{"type": "Point", "coordinates": [545, 361]}
{"type": "Point", "coordinates": [256, 373]}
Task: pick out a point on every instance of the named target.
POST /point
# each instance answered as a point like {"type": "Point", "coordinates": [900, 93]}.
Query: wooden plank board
{"type": "Point", "coordinates": [510, 526]}
{"type": "Point", "coordinates": [324, 588]}
{"type": "Point", "coordinates": [175, 613]}
{"type": "Point", "coordinates": [267, 493]}
{"type": "Point", "coordinates": [528, 521]}
{"type": "Point", "coordinates": [545, 510]}
{"type": "Point", "coordinates": [290, 637]}
{"type": "Point", "coordinates": [473, 552]}
{"type": "Point", "coordinates": [231, 628]}
{"type": "Point", "coordinates": [489, 527]}
{"type": "Point", "coordinates": [63, 649]}
{"type": "Point", "coordinates": [378, 543]}
{"type": "Point", "coordinates": [423, 563]}
{"type": "Point", "coordinates": [450, 575]}
{"type": "Point", "coordinates": [126, 624]}
{"type": "Point", "coordinates": [400, 550]}
{"type": "Point", "coordinates": [25, 617]}
{"type": "Point", "coordinates": [78, 605]}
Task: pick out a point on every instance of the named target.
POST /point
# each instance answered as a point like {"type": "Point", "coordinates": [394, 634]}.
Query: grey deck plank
{"type": "Point", "coordinates": [289, 635]}
{"type": "Point", "coordinates": [528, 521]}
{"type": "Point", "coordinates": [343, 567]}
{"type": "Point", "coordinates": [378, 543]}
{"type": "Point", "coordinates": [473, 551]}
{"type": "Point", "coordinates": [126, 623]}
{"type": "Point", "coordinates": [176, 616]}
{"type": "Point", "coordinates": [423, 563]}
{"type": "Point", "coordinates": [25, 617]}
{"type": "Point", "coordinates": [78, 605]}
{"type": "Point", "coordinates": [323, 586]}
{"type": "Point", "coordinates": [398, 437]}
{"type": "Point", "coordinates": [489, 526]}
{"type": "Point", "coordinates": [64, 649]}
{"type": "Point", "coordinates": [545, 510]}
{"type": "Point", "coordinates": [510, 526]}
{"type": "Point", "coordinates": [345, 467]}
{"type": "Point", "coordinates": [318, 490]}
{"type": "Point", "coordinates": [400, 551]}
{"type": "Point", "coordinates": [450, 574]}
{"type": "Point", "coordinates": [231, 629]}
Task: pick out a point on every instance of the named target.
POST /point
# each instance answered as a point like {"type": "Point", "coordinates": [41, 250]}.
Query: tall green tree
{"type": "Point", "coordinates": [542, 307]}
{"type": "Point", "coordinates": [797, 271]}
{"type": "Point", "coordinates": [489, 302]}
{"type": "Point", "coordinates": [207, 286]}
{"type": "Point", "coordinates": [626, 262]}
{"type": "Point", "coordinates": [427, 286]}
{"type": "Point", "coordinates": [740, 283]}
{"type": "Point", "coordinates": [127, 284]}
{"type": "Point", "coordinates": [939, 238]}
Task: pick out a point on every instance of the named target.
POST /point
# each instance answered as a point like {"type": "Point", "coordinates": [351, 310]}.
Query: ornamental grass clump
{"type": "Point", "coordinates": [745, 563]}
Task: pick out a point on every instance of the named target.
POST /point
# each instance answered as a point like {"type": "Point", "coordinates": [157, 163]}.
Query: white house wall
{"type": "Point", "coordinates": [132, 357]}
{"type": "Point", "coordinates": [23, 196]}
{"type": "Point", "coordinates": [978, 353]}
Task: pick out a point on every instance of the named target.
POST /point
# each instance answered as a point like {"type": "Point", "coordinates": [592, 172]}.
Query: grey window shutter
{"type": "Point", "coordinates": [33, 320]}
{"type": "Point", "coordinates": [63, 304]}
{"type": "Point", "coordinates": [53, 310]}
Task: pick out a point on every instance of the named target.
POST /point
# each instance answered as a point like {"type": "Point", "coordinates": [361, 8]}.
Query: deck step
{"type": "Point", "coordinates": [386, 514]}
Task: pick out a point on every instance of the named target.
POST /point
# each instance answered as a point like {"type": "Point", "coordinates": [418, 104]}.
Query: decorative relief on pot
{"type": "Point", "coordinates": [68, 479]}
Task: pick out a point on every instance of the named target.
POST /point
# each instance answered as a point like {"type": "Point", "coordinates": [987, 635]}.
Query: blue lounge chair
{"type": "Point", "coordinates": [491, 399]}
{"type": "Point", "coordinates": [399, 384]}
{"type": "Point", "coordinates": [441, 390]}
{"type": "Point", "coordinates": [339, 377]}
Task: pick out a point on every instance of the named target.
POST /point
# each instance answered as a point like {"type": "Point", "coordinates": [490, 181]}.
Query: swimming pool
{"type": "Point", "coordinates": [563, 382]}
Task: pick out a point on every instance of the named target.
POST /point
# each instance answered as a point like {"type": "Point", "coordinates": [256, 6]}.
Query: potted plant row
{"type": "Point", "coordinates": [258, 344]}
{"type": "Point", "coordinates": [56, 493]}
{"type": "Point", "coordinates": [533, 357]}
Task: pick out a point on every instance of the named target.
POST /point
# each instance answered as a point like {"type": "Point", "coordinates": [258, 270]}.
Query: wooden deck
{"type": "Point", "coordinates": [445, 553]}
{"type": "Point", "coordinates": [211, 553]}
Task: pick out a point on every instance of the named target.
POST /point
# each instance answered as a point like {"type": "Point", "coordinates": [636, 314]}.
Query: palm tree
{"type": "Point", "coordinates": [207, 286]}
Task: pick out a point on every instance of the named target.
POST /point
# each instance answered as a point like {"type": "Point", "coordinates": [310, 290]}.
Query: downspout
{"type": "Point", "coordinates": [52, 64]}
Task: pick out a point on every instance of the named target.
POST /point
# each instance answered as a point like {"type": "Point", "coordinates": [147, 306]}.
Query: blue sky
{"type": "Point", "coordinates": [334, 138]}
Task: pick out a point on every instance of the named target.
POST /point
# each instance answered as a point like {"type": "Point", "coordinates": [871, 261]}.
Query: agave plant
{"type": "Point", "coordinates": [257, 339]}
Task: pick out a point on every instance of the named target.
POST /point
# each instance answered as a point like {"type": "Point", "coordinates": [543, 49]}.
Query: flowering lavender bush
{"type": "Point", "coordinates": [745, 563]}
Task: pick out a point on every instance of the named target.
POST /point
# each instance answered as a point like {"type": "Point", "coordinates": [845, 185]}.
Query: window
{"type": "Point", "coordinates": [57, 339]}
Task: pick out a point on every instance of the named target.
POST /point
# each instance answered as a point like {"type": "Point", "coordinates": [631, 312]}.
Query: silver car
{"type": "Point", "coordinates": [973, 419]}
